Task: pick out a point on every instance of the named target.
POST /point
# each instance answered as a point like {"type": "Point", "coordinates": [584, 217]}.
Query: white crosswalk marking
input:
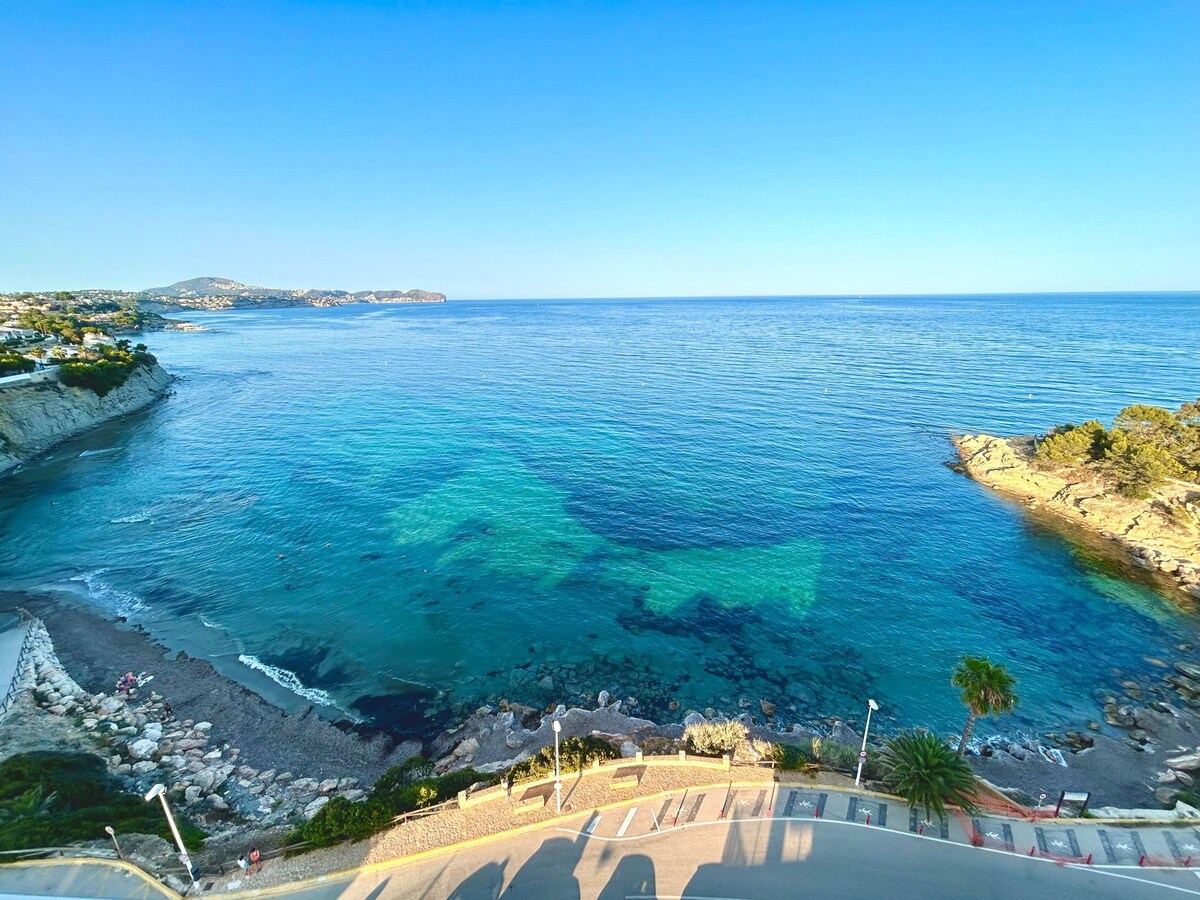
{"type": "Point", "coordinates": [628, 820]}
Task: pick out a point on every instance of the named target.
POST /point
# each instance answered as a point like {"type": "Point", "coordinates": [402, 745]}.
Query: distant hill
{"type": "Point", "coordinates": [224, 293]}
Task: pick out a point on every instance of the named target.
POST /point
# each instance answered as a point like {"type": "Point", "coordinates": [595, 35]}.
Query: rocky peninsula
{"type": "Point", "coordinates": [41, 413]}
{"type": "Point", "coordinates": [1160, 532]}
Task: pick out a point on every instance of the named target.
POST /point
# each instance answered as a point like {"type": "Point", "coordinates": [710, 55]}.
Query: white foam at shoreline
{"type": "Point", "coordinates": [289, 680]}
{"type": "Point", "coordinates": [123, 603]}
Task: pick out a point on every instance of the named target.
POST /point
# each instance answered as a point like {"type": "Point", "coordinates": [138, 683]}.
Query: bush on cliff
{"type": "Point", "coordinates": [15, 364]}
{"type": "Point", "coordinates": [1146, 446]}
{"type": "Point", "coordinates": [400, 789]}
{"type": "Point", "coordinates": [110, 368]}
{"type": "Point", "coordinates": [52, 799]}
{"type": "Point", "coordinates": [574, 754]}
{"type": "Point", "coordinates": [1072, 443]}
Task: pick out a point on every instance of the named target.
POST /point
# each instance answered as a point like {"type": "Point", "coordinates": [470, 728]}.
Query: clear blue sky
{"type": "Point", "coordinates": [602, 149]}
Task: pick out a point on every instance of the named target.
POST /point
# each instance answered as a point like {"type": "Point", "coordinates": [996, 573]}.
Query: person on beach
{"type": "Point", "coordinates": [244, 864]}
{"type": "Point", "coordinates": [255, 861]}
{"type": "Point", "coordinates": [167, 711]}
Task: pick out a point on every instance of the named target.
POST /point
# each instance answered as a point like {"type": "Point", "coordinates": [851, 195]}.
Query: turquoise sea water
{"type": "Point", "coordinates": [402, 511]}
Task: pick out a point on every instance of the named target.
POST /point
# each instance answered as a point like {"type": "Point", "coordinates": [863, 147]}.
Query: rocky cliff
{"type": "Point", "coordinates": [33, 418]}
{"type": "Point", "coordinates": [1161, 533]}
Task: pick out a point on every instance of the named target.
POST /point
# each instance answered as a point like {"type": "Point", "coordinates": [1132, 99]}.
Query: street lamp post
{"type": "Point", "coordinates": [112, 834]}
{"type": "Point", "coordinates": [557, 770]}
{"type": "Point", "coordinates": [872, 706]}
{"type": "Point", "coordinates": [160, 791]}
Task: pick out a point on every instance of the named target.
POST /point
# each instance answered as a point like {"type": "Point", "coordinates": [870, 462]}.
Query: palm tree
{"type": "Point", "coordinates": [28, 805]}
{"type": "Point", "coordinates": [922, 769]}
{"type": "Point", "coordinates": [987, 689]}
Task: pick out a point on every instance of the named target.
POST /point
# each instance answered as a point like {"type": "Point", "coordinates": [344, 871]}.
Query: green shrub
{"type": "Point", "coordinates": [52, 799]}
{"type": "Point", "coordinates": [792, 758]}
{"type": "Point", "coordinates": [15, 364]}
{"type": "Point", "coordinates": [715, 738]}
{"type": "Point", "coordinates": [403, 788]}
{"type": "Point", "coordinates": [1072, 444]}
{"type": "Point", "coordinates": [110, 369]}
{"type": "Point", "coordinates": [575, 754]}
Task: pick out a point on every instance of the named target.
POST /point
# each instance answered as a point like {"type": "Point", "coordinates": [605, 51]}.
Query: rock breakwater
{"type": "Point", "coordinates": [143, 742]}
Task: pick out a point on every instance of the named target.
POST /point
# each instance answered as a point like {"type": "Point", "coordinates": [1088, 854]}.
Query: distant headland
{"type": "Point", "coordinates": [215, 293]}
{"type": "Point", "coordinates": [224, 293]}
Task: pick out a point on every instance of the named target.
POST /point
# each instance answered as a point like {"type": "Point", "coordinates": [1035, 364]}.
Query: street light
{"type": "Point", "coordinates": [112, 834]}
{"type": "Point", "coordinates": [872, 706]}
{"type": "Point", "coordinates": [160, 791]}
{"type": "Point", "coordinates": [557, 776]}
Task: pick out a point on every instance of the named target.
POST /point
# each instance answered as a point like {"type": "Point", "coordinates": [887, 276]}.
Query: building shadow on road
{"type": "Point", "coordinates": [483, 884]}
{"type": "Point", "coordinates": [549, 872]}
{"type": "Point", "coordinates": [633, 877]}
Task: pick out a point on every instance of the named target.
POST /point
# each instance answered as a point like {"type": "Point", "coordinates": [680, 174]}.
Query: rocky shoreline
{"type": "Point", "coordinates": [36, 417]}
{"type": "Point", "coordinates": [238, 765]}
{"type": "Point", "coordinates": [1161, 534]}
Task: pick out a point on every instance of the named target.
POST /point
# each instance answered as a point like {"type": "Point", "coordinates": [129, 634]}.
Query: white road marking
{"type": "Point", "coordinates": [625, 825]}
{"type": "Point", "coordinates": [591, 826]}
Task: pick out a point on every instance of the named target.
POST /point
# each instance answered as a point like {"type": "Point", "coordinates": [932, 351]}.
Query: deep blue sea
{"type": "Point", "coordinates": [399, 512]}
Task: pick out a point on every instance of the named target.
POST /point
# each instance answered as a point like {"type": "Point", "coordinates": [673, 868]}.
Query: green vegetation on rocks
{"type": "Point", "coordinates": [403, 788]}
{"type": "Point", "coordinates": [50, 799]}
{"type": "Point", "coordinates": [575, 754]}
{"type": "Point", "coordinates": [105, 368]}
{"type": "Point", "coordinates": [15, 364]}
{"type": "Point", "coordinates": [1146, 446]}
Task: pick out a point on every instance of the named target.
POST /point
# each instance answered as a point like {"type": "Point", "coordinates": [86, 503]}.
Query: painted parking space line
{"type": "Point", "coordinates": [1123, 847]}
{"type": "Point", "coordinates": [994, 833]}
{"type": "Point", "coordinates": [869, 812]}
{"type": "Point", "coordinates": [917, 825]}
{"type": "Point", "coordinates": [1058, 841]}
{"type": "Point", "coordinates": [628, 821]}
{"type": "Point", "coordinates": [1184, 846]}
{"type": "Point", "coordinates": [591, 825]}
{"type": "Point", "coordinates": [663, 819]}
{"type": "Point", "coordinates": [758, 804]}
{"type": "Point", "coordinates": [803, 803]}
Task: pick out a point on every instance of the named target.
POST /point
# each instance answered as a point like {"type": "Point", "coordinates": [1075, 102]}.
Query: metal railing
{"type": "Point", "coordinates": [13, 690]}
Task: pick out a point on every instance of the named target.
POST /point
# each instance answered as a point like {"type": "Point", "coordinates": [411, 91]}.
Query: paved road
{"type": "Point", "coordinates": [751, 859]}
{"type": "Point", "coordinates": [79, 879]}
{"type": "Point", "coordinates": [747, 843]}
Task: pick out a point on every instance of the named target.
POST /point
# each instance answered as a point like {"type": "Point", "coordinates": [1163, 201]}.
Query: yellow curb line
{"type": "Point", "coordinates": [384, 865]}
{"type": "Point", "coordinates": [95, 861]}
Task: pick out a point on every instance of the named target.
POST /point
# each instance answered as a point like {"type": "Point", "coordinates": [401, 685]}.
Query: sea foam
{"type": "Point", "coordinates": [289, 680]}
{"type": "Point", "coordinates": [123, 603]}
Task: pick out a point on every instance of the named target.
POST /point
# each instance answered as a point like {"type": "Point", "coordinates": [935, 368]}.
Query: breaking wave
{"type": "Point", "coordinates": [123, 603]}
{"type": "Point", "coordinates": [289, 680]}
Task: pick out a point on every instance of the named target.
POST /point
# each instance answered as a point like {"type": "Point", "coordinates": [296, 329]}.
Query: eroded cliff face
{"type": "Point", "coordinates": [33, 418]}
{"type": "Point", "coordinates": [1161, 533]}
